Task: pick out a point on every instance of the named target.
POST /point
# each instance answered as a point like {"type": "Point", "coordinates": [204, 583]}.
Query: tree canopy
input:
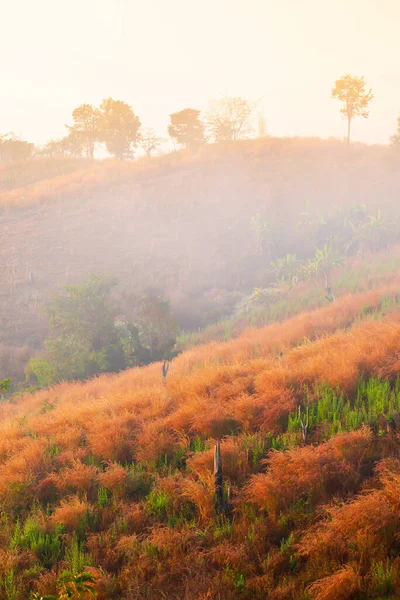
{"type": "Point", "coordinates": [13, 149]}
{"type": "Point", "coordinates": [118, 128]}
{"type": "Point", "coordinates": [85, 130]}
{"type": "Point", "coordinates": [186, 128]}
{"type": "Point", "coordinates": [88, 336]}
{"type": "Point", "coordinates": [355, 98]}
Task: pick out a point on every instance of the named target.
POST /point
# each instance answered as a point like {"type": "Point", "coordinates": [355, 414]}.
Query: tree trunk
{"type": "Point", "coordinates": [348, 132]}
{"type": "Point", "coordinates": [218, 483]}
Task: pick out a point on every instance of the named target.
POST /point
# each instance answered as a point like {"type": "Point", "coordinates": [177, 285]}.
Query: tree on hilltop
{"type": "Point", "coordinates": [230, 118]}
{"type": "Point", "coordinates": [85, 130]}
{"type": "Point", "coordinates": [149, 141]}
{"type": "Point", "coordinates": [13, 149]}
{"type": "Point", "coordinates": [352, 93]}
{"type": "Point", "coordinates": [118, 128]}
{"type": "Point", "coordinates": [70, 145]}
{"type": "Point", "coordinates": [186, 128]}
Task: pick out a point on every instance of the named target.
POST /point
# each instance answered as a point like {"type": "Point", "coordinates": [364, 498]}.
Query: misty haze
{"type": "Point", "coordinates": [200, 301]}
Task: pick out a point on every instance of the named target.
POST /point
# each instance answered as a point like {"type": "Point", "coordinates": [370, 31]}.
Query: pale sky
{"type": "Point", "coordinates": [161, 56]}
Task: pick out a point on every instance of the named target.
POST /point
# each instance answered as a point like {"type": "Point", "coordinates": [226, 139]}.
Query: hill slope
{"type": "Point", "coordinates": [115, 475]}
{"type": "Point", "coordinates": [181, 222]}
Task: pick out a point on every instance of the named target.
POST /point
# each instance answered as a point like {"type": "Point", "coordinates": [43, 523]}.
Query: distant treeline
{"type": "Point", "coordinates": [115, 125]}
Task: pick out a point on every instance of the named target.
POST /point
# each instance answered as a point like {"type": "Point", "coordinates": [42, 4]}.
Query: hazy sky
{"type": "Point", "coordinates": [164, 55]}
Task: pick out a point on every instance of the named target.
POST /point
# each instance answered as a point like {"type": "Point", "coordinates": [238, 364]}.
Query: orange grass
{"type": "Point", "coordinates": [134, 435]}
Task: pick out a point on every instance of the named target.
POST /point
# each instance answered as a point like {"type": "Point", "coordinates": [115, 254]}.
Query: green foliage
{"type": "Point", "coordinates": [8, 585]}
{"type": "Point", "coordinates": [47, 547]}
{"type": "Point", "coordinates": [323, 262]}
{"type": "Point", "coordinates": [197, 444]}
{"type": "Point", "coordinates": [156, 326]}
{"type": "Point", "coordinates": [84, 310]}
{"type": "Point", "coordinates": [76, 585]}
{"type": "Point", "coordinates": [384, 577]}
{"type": "Point", "coordinates": [375, 398]}
{"type": "Point", "coordinates": [76, 556]}
{"type": "Point", "coordinates": [139, 481]}
{"type": "Point", "coordinates": [44, 372]}
{"type": "Point", "coordinates": [102, 497]}
{"type": "Point", "coordinates": [287, 269]}
{"type": "Point", "coordinates": [266, 233]}
{"type": "Point", "coordinates": [158, 504]}
{"type": "Point", "coordinates": [371, 234]}
{"type": "Point", "coordinates": [83, 338]}
{"type": "Point", "coordinates": [5, 385]}
{"type": "Point", "coordinates": [223, 528]}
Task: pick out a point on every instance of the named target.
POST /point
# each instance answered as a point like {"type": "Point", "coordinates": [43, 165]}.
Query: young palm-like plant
{"type": "Point", "coordinates": [287, 270]}
{"type": "Point", "coordinates": [321, 266]}
{"type": "Point", "coordinates": [373, 232]}
{"type": "Point", "coordinates": [265, 233]}
{"type": "Point", "coordinates": [78, 586]}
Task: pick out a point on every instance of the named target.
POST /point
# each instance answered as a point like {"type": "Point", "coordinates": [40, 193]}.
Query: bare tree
{"type": "Point", "coordinates": [149, 141]}
{"type": "Point", "coordinates": [230, 118]}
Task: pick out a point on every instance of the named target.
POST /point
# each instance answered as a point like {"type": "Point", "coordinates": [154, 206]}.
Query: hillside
{"type": "Point", "coordinates": [180, 222]}
{"type": "Point", "coordinates": [114, 476]}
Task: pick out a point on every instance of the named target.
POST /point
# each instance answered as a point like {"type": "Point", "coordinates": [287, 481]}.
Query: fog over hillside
{"type": "Point", "coordinates": [200, 300]}
{"type": "Point", "coordinates": [181, 223]}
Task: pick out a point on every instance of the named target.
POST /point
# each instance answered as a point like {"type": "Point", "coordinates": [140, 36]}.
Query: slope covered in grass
{"type": "Point", "coordinates": [358, 274]}
{"type": "Point", "coordinates": [115, 475]}
{"type": "Point", "coordinates": [181, 223]}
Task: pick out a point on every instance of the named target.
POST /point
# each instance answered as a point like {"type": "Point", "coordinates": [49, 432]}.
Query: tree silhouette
{"type": "Point", "coordinates": [119, 128]}
{"type": "Point", "coordinates": [12, 148]}
{"type": "Point", "coordinates": [186, 128]}
{"type": "Point", "coordinates": [230, 118]}
{"type": "Point", "coordinates": [85, 130]}
{"type": "Point", "coordinates": [351, 91]}
{"type": "Point", "coordinates": [149, 141]}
